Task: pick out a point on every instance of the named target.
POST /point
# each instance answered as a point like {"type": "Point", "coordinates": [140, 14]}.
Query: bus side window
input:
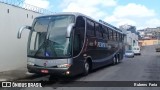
{"type": "Point", "coordinates": [105, 33]}
{"type": "Point", "coordinates": [114, 35]}
{"type": "Point", "coordinates": [118, 36]}
{"type": "Point", "coordinates": [98, 30]}
{"type": "Point", "coordinates": [90, 28]}
{"type": "Point", "coordinates": [110, 34]}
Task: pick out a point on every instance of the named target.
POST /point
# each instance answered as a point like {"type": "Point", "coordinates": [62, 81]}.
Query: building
{"type": "Point", "coordinates": [131, 36]}
{"type": "Point", "coordinates": [147, 42]}
{"type": "Point", "coordinates": [13, 51]}
{"type": "Point", "coordinates": [149, 36]}
{"type": "Point", "coordinates": [150, 33]}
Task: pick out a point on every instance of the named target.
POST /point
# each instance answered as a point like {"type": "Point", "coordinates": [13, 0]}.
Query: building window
{"type": "Point", "coordinates": [114, 35]}
{"type": "Point", "coordinates": [7, 10]}
{"type": "Point", "coordinates": [27, 15]}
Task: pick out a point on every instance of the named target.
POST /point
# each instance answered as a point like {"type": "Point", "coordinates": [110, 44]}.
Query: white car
{"type": "Point", "coordinates": [137, 50]}
{"type": "Point", "coordinates": [129, 53]}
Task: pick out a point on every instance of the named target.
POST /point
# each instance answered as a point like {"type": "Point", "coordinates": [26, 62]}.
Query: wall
{"type": "Point", "coordinates": [131, 36]}
{"type": "Point", "coordinates": [148, 42]}
{"type": "Point", "coordinates": [12, 50]}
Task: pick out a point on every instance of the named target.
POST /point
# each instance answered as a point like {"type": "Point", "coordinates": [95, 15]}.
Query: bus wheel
{"type": "Point", "coordinates": [117, 59]}
{"type": "Point", "coordinates": [86, 68]}
{"type": "Point", "coordinates": [114, 60]}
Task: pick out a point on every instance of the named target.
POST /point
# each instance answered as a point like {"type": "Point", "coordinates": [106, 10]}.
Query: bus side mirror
{"type": "Point", "coordinates": [21, 29]}
{"type": "Point", "coordinates": [69, 29]}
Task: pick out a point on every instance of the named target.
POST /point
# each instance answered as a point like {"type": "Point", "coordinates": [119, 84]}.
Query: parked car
{"type": "Point", "coordinates": [129, 53]}
{"type": "Point", "coordinates": [157, 49]}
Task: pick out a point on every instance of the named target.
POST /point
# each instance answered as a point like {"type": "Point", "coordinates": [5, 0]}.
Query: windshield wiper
{"type": "Point", "coordinates": [46, 44]}
{"type": "Point", "coordinates": [39, 48]}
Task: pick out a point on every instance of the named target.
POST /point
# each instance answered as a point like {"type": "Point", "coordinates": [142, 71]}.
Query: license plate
{"type": "Point", "coordinates": [44, 71]}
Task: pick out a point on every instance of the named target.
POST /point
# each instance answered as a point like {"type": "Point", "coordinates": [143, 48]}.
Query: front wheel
{"type": "Point", "coordinates": [86, 68]}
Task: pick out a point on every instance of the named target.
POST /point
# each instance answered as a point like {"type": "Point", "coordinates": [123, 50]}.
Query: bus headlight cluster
{"type": "Point", "coordinates": [63, 66]}
{"type": "Point", "coordinates": [30, 63]}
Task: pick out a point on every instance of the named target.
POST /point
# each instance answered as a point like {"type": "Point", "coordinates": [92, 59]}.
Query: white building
{"type": "Point", "coordinates": [13, 53]}
{"type": "Point", "coordinates": [131, 36]}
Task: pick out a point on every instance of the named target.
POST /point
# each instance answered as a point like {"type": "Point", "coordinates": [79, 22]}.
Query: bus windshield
{"type": "Point", "coordinates": [48, 38]}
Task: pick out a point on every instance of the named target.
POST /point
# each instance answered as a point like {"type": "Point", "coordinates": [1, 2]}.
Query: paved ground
{"type": "Point", "coordinates": [145, 67]}
{"type": "Point", "coordinates": [14, 74]}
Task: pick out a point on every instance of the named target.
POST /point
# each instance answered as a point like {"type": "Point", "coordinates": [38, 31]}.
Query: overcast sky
{"type": "Point", "coordinates": [140, 13]}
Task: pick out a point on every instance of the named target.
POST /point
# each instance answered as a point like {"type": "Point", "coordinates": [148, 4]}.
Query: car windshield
{"type": "Point", "coordinates": [129, 51]}
{"type": "Point", "coordinates": [48, 38]}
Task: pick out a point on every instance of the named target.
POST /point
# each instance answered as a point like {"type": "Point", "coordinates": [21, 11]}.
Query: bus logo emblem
{"type": "Point", "coordinates": [47, 54]}
{"type": "Point", "coordinates": [45, 63]}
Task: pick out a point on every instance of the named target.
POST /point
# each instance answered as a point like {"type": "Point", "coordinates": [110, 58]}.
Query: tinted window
{"type": "Point", "coordinates": [99, 33]}
{"type": "Point", "coordinates": [110, 34]}
{"type": "Point", "coordinates": [105, 33]}
{"type": "Point", "coordinates": [90, 28]}
{"type": "Point", "coordinates": [120, 37]}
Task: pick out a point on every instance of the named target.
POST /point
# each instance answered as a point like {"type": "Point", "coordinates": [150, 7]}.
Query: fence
{"type": "Point", "coordinates": [21, 4]}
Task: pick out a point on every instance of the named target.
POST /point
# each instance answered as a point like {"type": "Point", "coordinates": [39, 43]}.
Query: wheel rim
{"type": "Point", "coordinates": [86, 67]}
{"type": "Point", "coordinates": [117, 60]}
{"type": "Point", "coordinates": [114, 60]}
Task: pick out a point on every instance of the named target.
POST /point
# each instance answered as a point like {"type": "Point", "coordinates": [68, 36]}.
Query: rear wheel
{"type": "Point", "coordinates": [114, 60]}
{"type": "Point", "coordinates": [117, 59]}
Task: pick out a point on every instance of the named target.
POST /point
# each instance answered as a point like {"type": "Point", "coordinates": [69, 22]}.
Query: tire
{"type": "Point", "coordinates": [117, 60]}
{"type": "Point", "coordinates": [114, 60]}
{"type": "Point", "coordinates": [86, 68]}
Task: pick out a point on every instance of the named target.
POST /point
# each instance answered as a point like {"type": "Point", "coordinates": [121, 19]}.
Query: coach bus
{"type": "Point", "coordinates": [71, 43]}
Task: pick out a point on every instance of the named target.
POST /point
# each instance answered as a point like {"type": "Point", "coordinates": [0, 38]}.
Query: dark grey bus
{"type": "Point", "coordinates": [71, 44]}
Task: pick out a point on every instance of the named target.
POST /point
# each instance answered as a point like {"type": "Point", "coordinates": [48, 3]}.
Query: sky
{"type": "Point", "coordinates": [139, 13]}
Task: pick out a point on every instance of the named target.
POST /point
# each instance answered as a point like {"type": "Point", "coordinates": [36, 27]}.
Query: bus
{"type": "Point", "coordinates": [69, 44]}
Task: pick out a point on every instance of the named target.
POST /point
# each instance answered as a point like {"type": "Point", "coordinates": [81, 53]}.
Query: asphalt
{"type": "Point", "coordinates": [11, 75]}
{"type": "Point", "coordinates": [145, 67]}
{"type": "Point", "coordinates": [22, 73]}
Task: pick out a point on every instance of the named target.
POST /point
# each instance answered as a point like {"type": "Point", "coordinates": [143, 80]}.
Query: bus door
{"type": "Point", "coordinates": [78, 41]}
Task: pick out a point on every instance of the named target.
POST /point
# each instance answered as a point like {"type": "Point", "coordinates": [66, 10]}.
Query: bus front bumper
{"type": "Point", "coordinates": [50, 71]}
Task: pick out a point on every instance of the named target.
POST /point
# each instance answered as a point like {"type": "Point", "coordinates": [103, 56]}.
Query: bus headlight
{"type": "Point", "coordinates": [63, 66]}
{"type": "Point", "coordinates": [30, 63]}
